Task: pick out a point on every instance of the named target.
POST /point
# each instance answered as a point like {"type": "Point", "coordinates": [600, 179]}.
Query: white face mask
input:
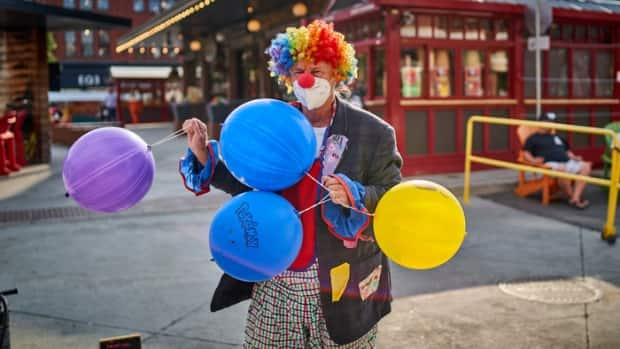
{"type": "Point", "coordinates": [315, 96]}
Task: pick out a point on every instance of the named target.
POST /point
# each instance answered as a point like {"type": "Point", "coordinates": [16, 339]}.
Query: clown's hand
{"type": "Point", "coordinates": [197, 137]}
{"type": "Point", "coordinates": [337, 191]}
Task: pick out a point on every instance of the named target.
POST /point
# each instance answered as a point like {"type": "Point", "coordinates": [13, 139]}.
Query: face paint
{"type": "Point", "coordinates": [315, 96]}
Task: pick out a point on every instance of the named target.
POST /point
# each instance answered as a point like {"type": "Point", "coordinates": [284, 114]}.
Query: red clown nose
{"type": "Point", "coordinates": [306, 80]}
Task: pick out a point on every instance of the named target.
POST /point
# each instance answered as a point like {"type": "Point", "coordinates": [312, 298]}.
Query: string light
{"type": "Point", "coordinates": [253, 25]}
{"type": "Point", "coordinates": [300, 9]}
{"type": "Point", "coordinates": [195, 45]}
{"type": "Point", "coordinates": [190, 10]}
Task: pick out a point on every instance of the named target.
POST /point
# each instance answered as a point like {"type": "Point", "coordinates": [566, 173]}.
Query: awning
{"type": "Point", "coordinates": [27, 14]}
{"type": "Point", "coordinates": [200, 17]}
{"type": "Point", "coordinates": [180, 11]}
{"type": "Point", "coordinates": [141, 72]}
{"type": "Point", "coordinates": [75, 96]}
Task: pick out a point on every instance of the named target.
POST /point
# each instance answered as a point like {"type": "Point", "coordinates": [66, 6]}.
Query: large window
{"type": "Point", "coordinates": [379, 61]}
{"type": "Point", "coordinates": [87, 43]}
{"type": "Point", "coordinates": [432, 67]}
{"type": "Point", "coordinates": [483, 62]}
{"type": "Point", "coordinates": [558, 73]}
{"type": "Point", "coordinates": [103, 5]}
{"type": "Point", "coordinates": [69, 44]}
{"type": "Point", "coordinates": [529, 73]}
{"type": "Point", "coordinates": [86, 4]}
{"type": "Point", "coordinates": [104, 43]}
{"type": "Point", "coordinates": [473, 73]}
{"type": "Point", "coordinates": [166, 4]}
{"type": "Point", "coordinates": [154, 6]}
{"type": "Point", "coordinates": [68, 3]}
{"type": "Point", "coordinates": [581, 73]}
{"type": "Point", "coordinates": [442, 72]}
{"type": "Point", "coordinates": [138, 5]}
{"type": "Point", "coordinates": [580, 63]}
{"type": "Point", "coordinates": [604, 73]}
{"type": "Point", "coordinates": [411, 72]}
{"type": "Point", "coordinates": [498, 82]}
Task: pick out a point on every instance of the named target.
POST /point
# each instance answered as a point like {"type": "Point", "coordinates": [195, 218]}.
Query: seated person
{"type": "Point", "coordinates": [546, 148]}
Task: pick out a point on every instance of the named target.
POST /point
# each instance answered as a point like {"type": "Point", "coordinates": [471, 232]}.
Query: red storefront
{"type": "Point", "coordinates": [427, 66]}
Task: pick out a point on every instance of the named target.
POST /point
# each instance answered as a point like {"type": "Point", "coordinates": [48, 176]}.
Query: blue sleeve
{"type": "Point", "coordinates": [347, 224]}
{"type": "Point", "coordinates": [196, 177]}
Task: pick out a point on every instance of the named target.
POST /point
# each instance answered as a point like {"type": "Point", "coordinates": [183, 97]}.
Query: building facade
{"type": "Point", "coordinates": [427, 66]}
{"type": "Point", "coordinates": [86, 61]}
{"type": "Point", "coordinates": [96, 46]}
{"type": "Point", "coordinates": [24, 71]}
{"type": "Point", "coordinates": [430, 65]}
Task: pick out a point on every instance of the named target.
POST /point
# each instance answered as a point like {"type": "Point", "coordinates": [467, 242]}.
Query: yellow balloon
{"type": "Point", "coordinates": [419, 224]}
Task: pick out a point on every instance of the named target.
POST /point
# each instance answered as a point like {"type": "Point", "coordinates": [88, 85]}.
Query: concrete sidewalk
{"type": "Point", "coordinates": [460, 304]}
{"type": "Point", "coordinates": [148, 270]}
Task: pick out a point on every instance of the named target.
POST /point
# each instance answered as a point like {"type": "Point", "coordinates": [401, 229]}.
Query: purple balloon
{"type": "Point", "coordinates": [109, 169]}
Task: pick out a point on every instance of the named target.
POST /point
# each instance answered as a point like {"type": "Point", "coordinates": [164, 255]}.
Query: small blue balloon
{"type": "Point", "coordinates": [267, 144]}
{"type": "Point", "coordinates": [255, 236]}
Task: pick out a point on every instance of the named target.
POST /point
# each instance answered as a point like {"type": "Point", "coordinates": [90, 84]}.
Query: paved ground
{"type": "Point", "coordinates": [592, 218]}
{"type": "Point", "coordinates": [82, 277]}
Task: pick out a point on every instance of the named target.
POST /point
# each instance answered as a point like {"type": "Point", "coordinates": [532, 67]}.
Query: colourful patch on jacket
{"type": "Point", "coordinates": [370, 284]}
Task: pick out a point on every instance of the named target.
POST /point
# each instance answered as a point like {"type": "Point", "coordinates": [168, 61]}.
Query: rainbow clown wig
{"type": "Point", "coordinates": [318, 42]}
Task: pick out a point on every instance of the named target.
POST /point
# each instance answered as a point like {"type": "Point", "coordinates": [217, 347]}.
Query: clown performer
{"type": "Point", "coordinates": [338, 288]}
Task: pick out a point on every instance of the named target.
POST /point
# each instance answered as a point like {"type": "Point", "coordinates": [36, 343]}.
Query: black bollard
{"type": "Point", "coordinates": [5, 341]}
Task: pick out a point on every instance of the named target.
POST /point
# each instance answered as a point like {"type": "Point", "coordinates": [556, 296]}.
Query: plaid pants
{"type": "Point", "coordinates": [285, 312]}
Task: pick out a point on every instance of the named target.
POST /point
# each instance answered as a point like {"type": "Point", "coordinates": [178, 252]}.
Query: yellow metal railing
{"type": "Point", "coordinates": [609, 229]}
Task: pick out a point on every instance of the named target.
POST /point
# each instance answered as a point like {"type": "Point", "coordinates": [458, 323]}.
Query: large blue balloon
{"type": "Point", "coordinates": [255, 236]}
{"type": "Point", "coordinates": [109, 169]}
{"type": "Point", "coordinates": [267, 144]}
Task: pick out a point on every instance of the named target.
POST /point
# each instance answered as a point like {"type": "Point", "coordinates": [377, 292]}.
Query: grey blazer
{"type": "Point", "coordinates": [372, 159]}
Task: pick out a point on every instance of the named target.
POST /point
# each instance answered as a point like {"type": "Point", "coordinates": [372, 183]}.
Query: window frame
{"type": "Point", "coordinates": [99, 43]}
{"type": "Point", "coordinates": [87, 8]}
{"type": "Point", "coordinates": [107, 6]}
{"type": "Point", "coordinates": [568, 41]}
{"type": "Point", "coordinates": [133, 6]}
{"type": "Point", "coordinates": [487, 45]}
{"type": "Point", "coordinates": [83, 45]}
{"type": "Point", "coordinates": [75, 46]}
{"type": "Point", "coordinates": [150, 3]}
{"type": "Point", "coordinates": [487, 48]}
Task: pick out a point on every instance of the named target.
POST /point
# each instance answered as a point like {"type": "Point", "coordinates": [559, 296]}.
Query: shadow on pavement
{"type": "Point", "coordinates": [592, 217]}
